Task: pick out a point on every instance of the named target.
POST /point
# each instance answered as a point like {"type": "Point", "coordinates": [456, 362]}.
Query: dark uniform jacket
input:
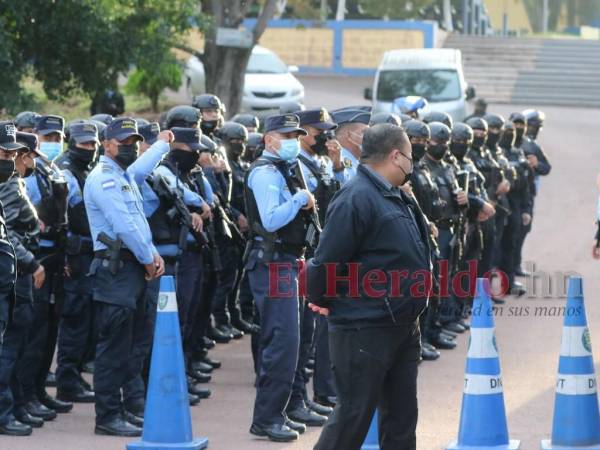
{"type": "Point", "coordinates": [21, 222]}
{"type": "Point", "coordinates": [375, 227]}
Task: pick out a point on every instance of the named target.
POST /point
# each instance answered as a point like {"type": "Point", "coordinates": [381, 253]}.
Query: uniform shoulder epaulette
{"type": "Point", "coordinates": [106, 168]}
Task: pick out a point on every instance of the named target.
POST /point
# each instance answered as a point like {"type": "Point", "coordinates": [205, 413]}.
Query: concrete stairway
{"type": "Point", "coordinates": [531, 71]}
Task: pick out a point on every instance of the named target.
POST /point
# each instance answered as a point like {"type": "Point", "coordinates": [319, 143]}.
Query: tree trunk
{"type": "Point", "coordinates": [225, 67]}
{"type": "Point", "coordinates": [154, 102]}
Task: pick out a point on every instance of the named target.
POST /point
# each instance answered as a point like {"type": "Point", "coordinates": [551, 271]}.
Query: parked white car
{"type": "Point", "coordinates": [268, 83]}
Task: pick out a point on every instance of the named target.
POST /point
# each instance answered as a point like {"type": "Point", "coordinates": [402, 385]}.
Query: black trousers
{"type": "Point", "coordinates": [374, 368]}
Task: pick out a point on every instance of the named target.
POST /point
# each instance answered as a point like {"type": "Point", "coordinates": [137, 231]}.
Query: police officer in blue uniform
{"type": "Point", "coordinates": [75, 326]}
{"type": "Point", "coordinates": [184, 253]}
{"type": "Point", "coordinates": [23, 233]}
{"type": "Point", "coordinates": [47, 189]}
{"type": "Point", "coordinates": [124, 260]}
{"type": "Point", "coordinates": [351, 123]}
{"type": "Point", "coordinates": [324, 172]}
{"type": "Point", "coordinates": [276, 207]}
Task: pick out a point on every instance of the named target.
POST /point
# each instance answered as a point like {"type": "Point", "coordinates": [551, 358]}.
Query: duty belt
{"type": "Point", "coordinates": [292, 249]}
{"type": "Point", "coordinates": [124, 255]}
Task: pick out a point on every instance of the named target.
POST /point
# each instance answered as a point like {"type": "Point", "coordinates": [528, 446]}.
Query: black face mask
{"type": "Point", "coordinates": [418, 151]}
{"type": "Point", "coordinates": [7, 168]}
{"type": "Point", "coordinates": [127, 154]}
{"type": "Point", "coordinates": [185, 160]}
{"type": "Point", "coordinates": [532, 131]}
{"type": "Point", "coordinates": [80, 157]}
{"type": "Point", "coordinates": [507, 140]}
{"type": "Point", "coordinates": [236, 149]}
{"type": "Point", "coordinates": [493, 139]}
{"type": "Point", "coordinates": [208, 126]}
{"type": "Point", "coordinates": [459, 149]}
{"type": "Point", "coordinates": [320, 147]}
{"type": "Point", "coordinates": [478, 141]}
{"type": "Point", "coordinates": [519, 140]}
{"type": "Point", "coordinates": [437, 151]}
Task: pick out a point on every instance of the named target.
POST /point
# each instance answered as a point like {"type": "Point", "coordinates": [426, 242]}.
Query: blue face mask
{"type": "Point", "coordinates": [290, 148]}
{"type": "Point", "coordinates": [51, 149]}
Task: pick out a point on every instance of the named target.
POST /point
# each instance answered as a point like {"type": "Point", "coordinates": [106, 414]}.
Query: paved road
{"type": "Point", "coordinates": [529, 344]}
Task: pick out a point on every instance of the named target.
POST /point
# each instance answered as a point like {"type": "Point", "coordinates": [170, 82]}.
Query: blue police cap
{"type": "Point", "coordinates": [45, 125]}
{"type": "Point", "coordinates": [150, 132]}
{"type": "Point", "coordinates": [344, 116]}
{"type": "Point", "coordinates": [284, 123]}
{"type": "Point", "coordinates": [83, 132]}
{"type": "Point", "coordinates": [318, 118]}
{"type": "Point", "coordinates": [189, 136]}
{"type": "Point", "coordinates": [29, 140]}
{"type": "Point", "coordinates": [8, 137]}
{"type": "Point", "coordinates": [121, 129]}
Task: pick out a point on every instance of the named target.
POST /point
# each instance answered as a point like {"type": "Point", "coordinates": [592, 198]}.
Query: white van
{"type": "Point", "coordinates": [435, 74]}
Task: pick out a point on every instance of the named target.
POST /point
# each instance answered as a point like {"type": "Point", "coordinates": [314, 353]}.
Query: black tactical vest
{"type": "Point", "coordinates": [442, 174]}
{"type": "Point", "coordinates": [294, 233]}
{"type": "Point", "coordinates": [326, 186]}
{"type": "Point", "coordinates": [164, 222]}
{"type": "Point", "coordinates": [52, 210]}
{"type": "Point", "coordinates": [238, 173]}
{"type": "Point", "coordinates": [489, 168]}
{"type": "Point", "coordinates": [426, 192]}
{"type": "Point", "coordinates": [78, 220]}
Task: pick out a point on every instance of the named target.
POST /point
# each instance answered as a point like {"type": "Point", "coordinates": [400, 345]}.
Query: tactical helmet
{"type": "Point", "coordinates": [291, 107]}
{"type": "Point", "coordinates": [438, 116]}
{"type": "Point", "coordinates": [477, 123]}
{"type": "Point", "coordinates": [384, 117]}
{"type": "Point", "coordinates": [440, 132]}
{"type": "Point", "coordinates": [182, 116]}
{"type": "Point", "coordinates": [232, 130]}
{"type": "Point", "coordinates": [517, 117]}
{"type": "Point", "coordinates": [534, 117]}
{"type": "Point", "coordinates": [494, 120]}
{"type": "Point", "coordinates": [208, 101]}
{"type": "Point", "coordinates": [248, 120]}
{"type": "Point", "coordinates": [255, 139]}
{"type": "Point", "coordinates": [106, 119]}
{"type": "Point", "coordinates": [211, 146]}
{"type": "Point", "coordinates": [462, 132]}
{"type": "Point", "coordinates": [26, 119]}
{"type": "Point", "coordinates": [141, 121]}
{"type": "Point", "coordinates": [416, 129]}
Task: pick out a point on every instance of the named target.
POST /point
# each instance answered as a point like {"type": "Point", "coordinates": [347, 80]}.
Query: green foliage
{"type": "Point", "coordinates": [152, 82]}
{"type": "Point", "coordinates": [81, 46]}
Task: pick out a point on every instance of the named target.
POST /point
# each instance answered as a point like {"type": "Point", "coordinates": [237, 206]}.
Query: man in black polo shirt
{"type": "Point", "coordinates": [377, 237]}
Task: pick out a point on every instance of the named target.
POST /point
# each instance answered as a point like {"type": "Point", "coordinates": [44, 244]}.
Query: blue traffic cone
{"type": "Point", "coordinates": [167, 421]}
{"type": "Point", "coordinates": [576, 423]}
{"type": "Point", "coordinates": [372, 439]}
{"type": "Point", "coordinates": [483, 417]}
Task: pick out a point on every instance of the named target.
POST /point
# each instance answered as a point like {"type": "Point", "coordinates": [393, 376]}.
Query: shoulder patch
{"type": "Point", "coordinates": [347, 163]}
{"type": "Point", "coordinates": [108, 184]}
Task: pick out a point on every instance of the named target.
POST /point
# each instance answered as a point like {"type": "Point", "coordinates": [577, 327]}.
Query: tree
{"type": "Point", "coordinates": [153, 82]}
{"type": "Point", "coordinates": [83, 45]}
{"type": "Point", "coordinates": [225, 67]}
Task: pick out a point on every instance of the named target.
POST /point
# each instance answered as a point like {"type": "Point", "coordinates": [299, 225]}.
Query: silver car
{"type": "Point", "coordinates": [268, 83]}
